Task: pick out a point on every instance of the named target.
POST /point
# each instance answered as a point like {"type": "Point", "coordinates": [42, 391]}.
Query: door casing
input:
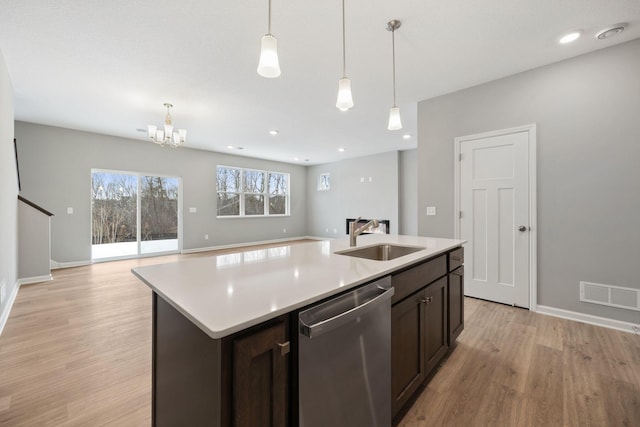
{"type": "Point", "coordinates": [533, 231]}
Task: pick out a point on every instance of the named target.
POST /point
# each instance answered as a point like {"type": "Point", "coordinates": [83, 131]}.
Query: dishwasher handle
{"type": "Point", "coordinates": [315, 329]}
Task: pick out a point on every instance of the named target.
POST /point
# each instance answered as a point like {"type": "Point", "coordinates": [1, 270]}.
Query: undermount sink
{"type": "Point", "coordinates": [383, 252]}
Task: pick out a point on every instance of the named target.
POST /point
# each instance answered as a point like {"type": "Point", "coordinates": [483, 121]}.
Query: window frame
{"type": "Point", "coordinates": [241, 193]}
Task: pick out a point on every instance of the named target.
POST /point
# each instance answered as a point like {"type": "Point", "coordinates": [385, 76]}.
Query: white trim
{"type": "Point", "coordinates": [35, 279]}
{"type": "Point", "coordinates": [241, 245]}
{"type": "Point", "coordinates": [588, 318]}
{"type": "Point", "coordinates": [533, 178]}
{"type": "Point", "coordinates": [4, 316]}
{"type": "Point", "coordinates": [56, 265]}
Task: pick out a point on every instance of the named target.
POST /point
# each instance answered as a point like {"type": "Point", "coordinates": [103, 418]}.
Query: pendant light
{"type": "Point", "coordinates": [345, 100]}
{"type": "Point", "coordinates": [268, 66]}
{"type": "Point", "coordinates": [394, 113]}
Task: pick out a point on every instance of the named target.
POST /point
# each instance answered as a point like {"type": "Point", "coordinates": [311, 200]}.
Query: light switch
{"type": "Point", "coordinates": [431, 210]}
{"type": "Point", "coordinates": [193, 210]}
{"type": "Point", "coordinates": [70, 211]}
{"type": "Point", "coordinates": [362, 179]}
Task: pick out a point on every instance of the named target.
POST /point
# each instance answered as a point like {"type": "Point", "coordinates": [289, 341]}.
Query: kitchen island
{"type": "Point", "coordinates": [219, 320]}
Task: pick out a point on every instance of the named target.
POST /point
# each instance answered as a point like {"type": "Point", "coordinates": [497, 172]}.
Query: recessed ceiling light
{"type": "Point", "coordinates": [296, 159]}
{"type": "Point", "coordinates": [570, 37]}
{"type": "Point", "coordinates": [341, 150]}
{"type": "Point", "coordinates": [273, 132]}
{"type": "Point", "coordinates": [406, 136]}
{"type": "Point", "coordinates": [230, 147]}
{"type": "Point", "coordinates": [610, 31]}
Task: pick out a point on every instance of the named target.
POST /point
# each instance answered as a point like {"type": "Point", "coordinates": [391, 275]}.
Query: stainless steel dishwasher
{"type": "Point", "coordinates": [345, 359]}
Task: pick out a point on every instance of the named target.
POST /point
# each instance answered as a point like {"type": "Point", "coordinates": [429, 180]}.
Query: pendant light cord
{"type": "Point", "coordinates": [344, 55]}
{"type": "Point", "coordinates": [393, 53]}
{"type": "Point", "coordinates": [269, 26]}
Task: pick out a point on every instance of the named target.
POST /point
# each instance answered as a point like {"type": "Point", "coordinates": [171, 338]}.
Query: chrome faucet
{"type": "Point", "coordinates": [355, 232]}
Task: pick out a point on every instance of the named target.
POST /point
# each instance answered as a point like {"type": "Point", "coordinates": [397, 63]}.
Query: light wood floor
{"type": "Point", "coordinates": [77, 352]}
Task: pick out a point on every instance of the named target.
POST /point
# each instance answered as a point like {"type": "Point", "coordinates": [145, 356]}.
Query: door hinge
{"type": "Point", "coordinates": [460, 157]}
{"type": "Point", "coordinates": [460, 215]}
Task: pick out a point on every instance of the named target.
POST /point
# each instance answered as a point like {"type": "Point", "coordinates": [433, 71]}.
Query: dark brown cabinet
{"type": "Point", "coordinates": [426, 318]}
{"type": "Point", "coordinates": [407, 349]}
{"type": "Point", "coordinates": [456, 303]}
{"type": "Point", "coordinates": [436, 324]}
{"type": "Point", "coordinates": [261, 377]}
{"type": "Point", "coordinates": [241, 380]}
{"type": "Point", "coordinates": [456, 293]}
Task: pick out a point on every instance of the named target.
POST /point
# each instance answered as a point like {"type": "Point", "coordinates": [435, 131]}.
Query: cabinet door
{"type": "Point", "coordinates": [436, 322]}
{"type": "Point", "coordinates": [261, 378]}
{"type": "Point", "coordinates": [456, 304]}
{"type": "Point", "coordinates": [407, 349]}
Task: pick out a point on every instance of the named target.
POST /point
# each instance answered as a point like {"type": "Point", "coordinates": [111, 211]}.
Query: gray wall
{"type": "Point", "coordinates": [56, 168]}
{"type": "Point", "coordinates": [351, 198]}
{"type": "Point", "coordinates": [8, 194]}
{"type": "Point", "coordinates": [408, 192]}
{"type": "Point", "coordinates": [587, 111]}
{"type": "Point", "coordinates": [34, 254]}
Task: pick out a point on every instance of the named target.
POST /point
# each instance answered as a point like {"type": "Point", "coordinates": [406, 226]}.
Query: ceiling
{"type": "Point", "coordinates": [108, 66]}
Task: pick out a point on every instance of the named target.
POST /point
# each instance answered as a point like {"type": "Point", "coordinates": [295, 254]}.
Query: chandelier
{"type": "Point", "coordinates": [167, 136]}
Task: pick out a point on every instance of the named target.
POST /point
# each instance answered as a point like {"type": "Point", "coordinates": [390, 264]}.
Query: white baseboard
{"type": "Point", "coordinates": [242, 245]}
{"type": "Point", "coordinates": [4, 316]}
{"type": "Point", "coordinates": [56, 265]}
{"type": "Point", "coordinates": [587, 318]}
{"type": "Point", "coordinates": [37, 279]}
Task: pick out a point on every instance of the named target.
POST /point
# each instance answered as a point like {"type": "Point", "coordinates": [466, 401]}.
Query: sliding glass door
{"type": "Point", "coordinates": [133, 214]}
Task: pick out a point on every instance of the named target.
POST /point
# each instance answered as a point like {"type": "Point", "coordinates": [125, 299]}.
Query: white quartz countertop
{"type": "Point", "coordinates": [225, 294]}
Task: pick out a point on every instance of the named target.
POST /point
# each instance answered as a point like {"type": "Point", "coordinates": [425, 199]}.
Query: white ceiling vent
{"type": "Point", "coordinates": [612, 296]}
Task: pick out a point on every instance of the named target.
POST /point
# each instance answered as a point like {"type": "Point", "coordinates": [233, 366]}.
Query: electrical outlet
{"type": "Point", "coordinates": [193, 210]}
{"type": "Point", "coordinates": [284, 230]}
{"type": "Point", "coordinates": [431, 210]}
{"type": "Point", "coordinates": [69, 211]}
{"type": "Point", "coordinates": [206, 237]}
{"type": "Point", "coordinates": [335, 231]}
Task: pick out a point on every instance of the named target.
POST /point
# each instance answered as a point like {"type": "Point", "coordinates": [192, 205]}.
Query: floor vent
{"type": "Point", "coordinates": [612, 296]}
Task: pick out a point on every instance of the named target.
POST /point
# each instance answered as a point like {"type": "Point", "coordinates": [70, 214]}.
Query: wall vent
{"type": "Point", "coordinates": [612, 296]}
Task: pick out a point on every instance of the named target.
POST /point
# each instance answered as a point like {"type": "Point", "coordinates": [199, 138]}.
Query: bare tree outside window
{"type": "Point", "coordinates": [261, 193]}
{"type": "Point", "coordinates": [228, 186]}
{"type": "Point", "coordinates": [159, 208]}
{"type": "Point", "coordinates": [114, 200]}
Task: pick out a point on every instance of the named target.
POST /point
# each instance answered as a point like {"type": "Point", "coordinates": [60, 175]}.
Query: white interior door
{"type": "Point", "coordinates": [495, 216]}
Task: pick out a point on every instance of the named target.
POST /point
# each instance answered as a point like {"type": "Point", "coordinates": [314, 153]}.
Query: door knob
{"type": "Point", "coordinates": [522, 228]}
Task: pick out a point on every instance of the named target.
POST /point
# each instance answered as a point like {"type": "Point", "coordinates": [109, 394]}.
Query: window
{"type": "Point", "coordinates": [133, 214]}
{"type": "Point", "coordinates": [251, 193]}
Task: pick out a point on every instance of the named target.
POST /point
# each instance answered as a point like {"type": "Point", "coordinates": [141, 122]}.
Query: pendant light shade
{"type": "Point", "coordinates": [268, 66]}
{"type": "Point", "coordinates": [394, 114]}
{"type": "Point", "coordinates": [345, 100]}
{"type": "Point", "coordinates": [394, 119]}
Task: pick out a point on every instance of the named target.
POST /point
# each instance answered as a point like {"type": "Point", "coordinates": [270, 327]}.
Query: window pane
{"type": "Point", "coordinates": [277, 205]}
{"type": "Point", "coordinates": [113, 214]}
{"type": "Point", "coordinates": [228, 179]}
{"type": "Point", "coordinates": [228, 204]}
{"type": "Point", "coordinates": [159, 208]}
{"type": "Point", "coordinates": [253, 182]}
{"type": "Point", "coordinates": [278, 183]}
{"type": "Point", "coordinates": [254, 204]}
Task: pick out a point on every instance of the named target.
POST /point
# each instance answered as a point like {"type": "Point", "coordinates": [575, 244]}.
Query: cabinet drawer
{"type": "Point", "coordinates": [456, 258]}
{"type": "Point", "coordinates": [409, 281]}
